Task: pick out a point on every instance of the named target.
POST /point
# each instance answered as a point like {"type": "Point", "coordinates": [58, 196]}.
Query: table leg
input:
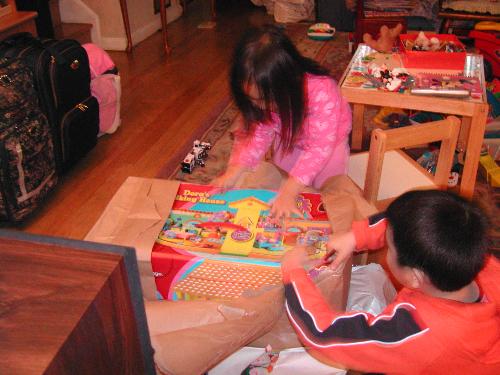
{"type": "Point", "coordinates": [212, 10]}
{"type": "Point", "coordinates": [126, 23]}
{"type": "Point", "coordinates": [163, 16]}
{"type": "Point", "coordinates": [358, 115]}
{"type": "Point", "coordinates": [473, 151]}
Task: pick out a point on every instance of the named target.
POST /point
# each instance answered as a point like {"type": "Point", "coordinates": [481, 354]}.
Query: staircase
{"type": "Point", "coordinates": [62, 30]}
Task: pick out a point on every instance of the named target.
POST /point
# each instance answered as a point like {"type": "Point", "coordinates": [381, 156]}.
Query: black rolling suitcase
{"type": "Point", "coordinates": [27, 163]}
{"type": "Point", "coordinates": [62, 80]}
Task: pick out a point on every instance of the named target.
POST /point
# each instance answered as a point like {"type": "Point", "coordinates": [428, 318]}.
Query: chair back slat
{"type": "Point", "coordinates": [382, 141]}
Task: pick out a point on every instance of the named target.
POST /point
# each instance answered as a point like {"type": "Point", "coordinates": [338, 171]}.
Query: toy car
{"type": "Point", "coordinates": [196, 157]}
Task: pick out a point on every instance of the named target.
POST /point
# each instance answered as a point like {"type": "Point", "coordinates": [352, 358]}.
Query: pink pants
{"type": "Point", "coordinates": [336, 165]}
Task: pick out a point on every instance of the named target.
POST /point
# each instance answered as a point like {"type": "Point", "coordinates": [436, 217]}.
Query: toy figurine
{"type": "Point", "coordinates": [386, 40]}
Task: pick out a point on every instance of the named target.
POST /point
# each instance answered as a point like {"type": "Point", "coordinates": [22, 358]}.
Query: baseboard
{"type": "Point", "coordinates": [120, 43]}
{"type": "Point", "coordinates": [114, 44]}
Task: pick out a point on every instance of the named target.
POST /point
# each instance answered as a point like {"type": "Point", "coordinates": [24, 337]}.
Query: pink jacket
{"type": "Point", "coordinates": [327, 124]}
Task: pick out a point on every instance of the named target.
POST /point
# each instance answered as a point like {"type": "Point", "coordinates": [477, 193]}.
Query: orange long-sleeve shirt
{"type": "Point", "coordinates": [415, 334]}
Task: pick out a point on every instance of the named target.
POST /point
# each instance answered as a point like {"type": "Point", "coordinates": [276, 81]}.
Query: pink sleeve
{"type": "Point", "coordinates": [250, 146]}
{"type": "Point", "coordinates": [328, 122]}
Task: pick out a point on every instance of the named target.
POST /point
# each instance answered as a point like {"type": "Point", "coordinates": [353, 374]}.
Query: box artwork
{"type": "Point", "coordinates": [216, 245]}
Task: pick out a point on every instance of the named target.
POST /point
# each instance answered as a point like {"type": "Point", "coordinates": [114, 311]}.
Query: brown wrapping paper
{"type": "Point", "coordinates": [191, 337]}
{"type": "Point", "coordinates": [208, 331]}
{"type": "Point", "coordinates": [341, 198]}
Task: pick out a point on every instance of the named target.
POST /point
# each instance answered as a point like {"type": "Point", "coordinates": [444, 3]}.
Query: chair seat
{"type": "Point", "coordinates": [399, 174]}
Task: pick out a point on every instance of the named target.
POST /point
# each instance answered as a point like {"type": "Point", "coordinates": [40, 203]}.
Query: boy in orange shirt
{"type": "Point", "coordinates": [445, 319]}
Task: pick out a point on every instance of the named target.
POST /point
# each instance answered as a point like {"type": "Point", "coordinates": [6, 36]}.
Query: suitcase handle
{"type": "Point", "coordinates": [19, 38]}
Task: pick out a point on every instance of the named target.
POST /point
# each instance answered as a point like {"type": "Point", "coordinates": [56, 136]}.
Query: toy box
{"type": "Point", "coordinates": [432, 59]}
{"type": "Point", "coordinates": [216, 245]}
{"type": "Point", "coordinates": [488, 44]}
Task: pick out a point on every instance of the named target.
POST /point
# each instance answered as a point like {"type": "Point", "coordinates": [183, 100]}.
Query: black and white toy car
{"type": "Point", "coordinates": [196, 157]}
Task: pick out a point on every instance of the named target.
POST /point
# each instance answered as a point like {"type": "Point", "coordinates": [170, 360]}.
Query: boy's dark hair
{"type": "Point", "coordinates": [441, 234]}
{"type": "Point", "coordinates": [266, 57]}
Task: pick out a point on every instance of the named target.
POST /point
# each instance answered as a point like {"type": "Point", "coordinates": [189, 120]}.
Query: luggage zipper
{"type": "Point", "coordinates": [82, 107]}
{"type": "Point", "coordinates": [52, 80]}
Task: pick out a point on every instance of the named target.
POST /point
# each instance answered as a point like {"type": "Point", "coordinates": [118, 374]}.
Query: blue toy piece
{"type": "Point", "coordinates": [494, 104]}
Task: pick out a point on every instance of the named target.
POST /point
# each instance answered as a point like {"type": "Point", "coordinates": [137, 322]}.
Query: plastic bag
{"type": "Point", "coordinates": [370, 289]}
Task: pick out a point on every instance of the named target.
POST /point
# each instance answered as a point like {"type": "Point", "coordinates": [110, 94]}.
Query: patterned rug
{"type": "Point", "coordinates": [333, 55]}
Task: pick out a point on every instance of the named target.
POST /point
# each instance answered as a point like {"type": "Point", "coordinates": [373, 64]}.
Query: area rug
{"type": "Point", "coordinates": [333, 55]}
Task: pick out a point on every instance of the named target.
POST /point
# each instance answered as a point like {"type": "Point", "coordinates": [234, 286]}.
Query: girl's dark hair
{"type": "Point", "coordinates": [266, 57]}
{"type": "Point", "coordinates": [441, 234]}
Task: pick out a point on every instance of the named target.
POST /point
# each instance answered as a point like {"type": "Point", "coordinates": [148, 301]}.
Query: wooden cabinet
{"type": "Point", "coordinates": [66, 308]}
{"type": "Point", "coordinates": [371, 24]}
{"type": "Point", "coordinates": [17, 21]}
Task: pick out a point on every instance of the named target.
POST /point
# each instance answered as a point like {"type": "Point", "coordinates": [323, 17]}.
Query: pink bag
{"type": "Point", "coordinates": [99, 60]}
{"type": "Point", "coordinates": [105, 86]}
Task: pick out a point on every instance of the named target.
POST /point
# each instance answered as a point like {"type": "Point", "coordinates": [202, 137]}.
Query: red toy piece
{"type": "Point", "coordinates": [488, 44]}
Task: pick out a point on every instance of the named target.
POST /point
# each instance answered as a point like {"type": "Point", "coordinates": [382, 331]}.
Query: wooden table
{"type": "Point", "coordinates": [474, 112]}
{"type": "Point", "coordinates": [70, 307]}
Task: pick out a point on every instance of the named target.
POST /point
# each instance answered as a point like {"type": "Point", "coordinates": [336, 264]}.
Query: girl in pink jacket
{"type": "Point", "coordinates": [288, 103]}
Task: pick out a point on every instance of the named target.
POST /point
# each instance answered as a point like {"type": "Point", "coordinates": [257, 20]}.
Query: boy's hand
{"type": "Point", "coordinates": [285, 203]}
{"type": "Point", "coordinates": [296, 257]}
{"type": "Point", "coordinates": [342, 245]}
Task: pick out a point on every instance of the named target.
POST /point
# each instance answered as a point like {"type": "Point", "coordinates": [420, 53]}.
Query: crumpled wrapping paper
{"type": "Point", "coordinates": [208, 331]}
{"type": "Point", "coordinates": [190, 337]}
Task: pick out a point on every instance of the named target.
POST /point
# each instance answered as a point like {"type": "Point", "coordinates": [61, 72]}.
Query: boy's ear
{"type": "Point", "coordinates": [418, 278]}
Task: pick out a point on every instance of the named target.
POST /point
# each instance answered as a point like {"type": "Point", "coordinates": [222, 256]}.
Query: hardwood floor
{"type": "Point", "coordinates": [164, 100]}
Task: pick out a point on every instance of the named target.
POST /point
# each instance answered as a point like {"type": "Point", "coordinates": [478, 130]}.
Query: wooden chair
{"type": "Point", "coordinates": [385, 172]}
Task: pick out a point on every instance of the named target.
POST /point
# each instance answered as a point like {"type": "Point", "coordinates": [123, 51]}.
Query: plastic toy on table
{"type": "Point", "coordinates": [447, 85]}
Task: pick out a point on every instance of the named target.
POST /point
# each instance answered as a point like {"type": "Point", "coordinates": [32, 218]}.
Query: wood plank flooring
{"type": "Point", "coordinates": [164, 101]}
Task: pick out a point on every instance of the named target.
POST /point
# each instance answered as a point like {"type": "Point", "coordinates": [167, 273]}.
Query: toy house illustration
{"type": "Point", "coordinates": [239, 242]}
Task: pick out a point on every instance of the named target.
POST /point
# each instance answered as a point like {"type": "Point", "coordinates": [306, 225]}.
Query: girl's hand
{"type": "Point", "coordinates": [285, 203]}
{"type": "Point", "coordinates": [229, 179]}
{"type": "Point", "coordinates": [342, 245]}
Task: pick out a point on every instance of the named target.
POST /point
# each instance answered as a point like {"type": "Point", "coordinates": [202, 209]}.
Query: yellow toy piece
{"type": "Point", "coordinates": [385, 111]}
{"type": "Point", "coordinates": [487, 26]}
{"type": "Point", "coordinates": [490, 169]}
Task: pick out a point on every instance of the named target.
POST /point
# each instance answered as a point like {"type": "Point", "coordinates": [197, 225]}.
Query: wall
{"type": "Point", "coordinates": [105, 15]}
